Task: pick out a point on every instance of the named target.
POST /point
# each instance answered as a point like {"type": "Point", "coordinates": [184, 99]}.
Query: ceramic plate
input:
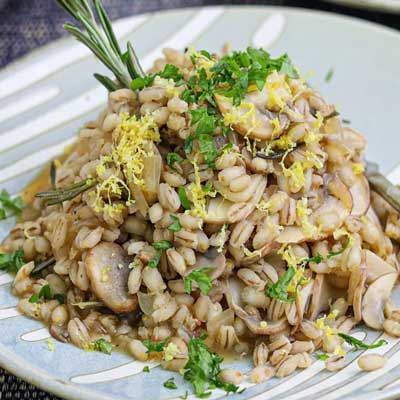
{"type": "Point", "coordinates": [47, 96]}
{"type": "Point", "coordinates": [381, 5]}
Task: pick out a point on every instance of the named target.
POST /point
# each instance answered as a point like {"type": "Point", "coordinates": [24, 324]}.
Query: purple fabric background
{"type": "Point", "coordinates": [27, 24]}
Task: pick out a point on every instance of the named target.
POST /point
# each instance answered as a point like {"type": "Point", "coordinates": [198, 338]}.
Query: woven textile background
{"type": "Point", "coordinates": [27, 24]}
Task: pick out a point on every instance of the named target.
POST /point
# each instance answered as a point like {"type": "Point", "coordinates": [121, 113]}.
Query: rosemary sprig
{"type": "Point", "coordinates": [39, 266]}
{"type": "Point", "coordinates": [100, 38]}
{"type": "Point", "coordinates": [60, 195]}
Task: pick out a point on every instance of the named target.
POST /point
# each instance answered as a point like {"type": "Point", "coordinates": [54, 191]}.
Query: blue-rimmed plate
{"type": "Point", "coordinates": [48, 95]}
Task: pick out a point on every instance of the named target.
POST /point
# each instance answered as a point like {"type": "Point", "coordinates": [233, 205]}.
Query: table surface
{"type": "Point", "coordinates": [27, 24]}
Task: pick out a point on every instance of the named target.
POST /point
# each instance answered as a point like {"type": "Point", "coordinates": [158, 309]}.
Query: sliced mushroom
{"type": "Point", "coordinates": [331, 205]}
{"type": "Point", "coordinates": [295, 312]}
{"type": "Point", "coordinates": [322, 296]}
{"type": "Point", "coordinates": [361, 196]}
{"type": "Point", "coordinates": [255, 126]}
{"type": "Point", "coordinates": [358, 293]}
{"type": "Point", "coordinates": [374, 299]}
{"type": "Point", "coordinates": [232, 289]}
{"type": "Point", "coordinates": [107, 268]}
{"type": "Point", "coordinates": [376, 266]}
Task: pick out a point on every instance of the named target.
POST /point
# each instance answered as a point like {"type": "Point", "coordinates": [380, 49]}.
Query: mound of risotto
{"type": "Point", "coordinates": [217, 204]}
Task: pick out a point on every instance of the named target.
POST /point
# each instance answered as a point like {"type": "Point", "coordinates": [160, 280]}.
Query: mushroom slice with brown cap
{"type": "Point", "coordinates": [376, 266]}
{"type": "Point", "coordinates": [248, 119]}
{"type": "Point", "coordinates": [107, 268]}
{"type": "Point", "coordinates": [361, 196]}
{"type": "Point", "coordinates": [374, 299]}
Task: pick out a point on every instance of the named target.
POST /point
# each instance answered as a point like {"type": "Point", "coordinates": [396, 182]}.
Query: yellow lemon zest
{"type": "Point", "coordinates": [278, 91]}
{"type": "Point", "coordinates": [342, 232]}
{"type": "Point", "coordinates": [358, 168]}
{"type": "Point", "coordinates": [134, 143]}
{"type": "Point", "coordinates": [168, 85]}
{"type": "Point", "coordinates": [249, 253]}
{"type": "Point", "coordinates": [197, 194]}
{"type": "Point", "coordinates": [302, 214]}
{"type": "Point", "coordinates": [264, 206]}
{"type": "Point", "coordinates": [277, 127]}
{"type": "Point", "coordinates": [170, 351]}
{"type": "Point", "coordinates": [244, 114]}
{"type": "Point", "coordinates": [263, 324]}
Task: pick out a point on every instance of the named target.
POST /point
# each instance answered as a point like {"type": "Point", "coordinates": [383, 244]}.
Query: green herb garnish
{"type": "Point", "coordinates": [173, 158]}
{"type": "Point", "coordinates": [184, 396]}
{"type": "Point", "coordinates": [201, 278]}
{"type": "Point", "coordinates": [329, 75]}
{"type": "Point", "coordinates": [169, 72]}
{"type": "Point", "coordinates": [183, 198]}
{"type": "Point", "coordinates": [99, 37]}
{"type": "Point", "coordinates": [12, 262]}
{"type": "Point", "coordinates": [322, 356]}
{"type": "Point", "coordinates": [103, 346]}
{"type": "Point", "coordinates": [146, 368]}
{"type": "Point", "coordinates": [176, 225]}
{"type": "Point", "coordinates": [160, 246]}
{"type": "Point", "coordinates": [203, 368]}
{"type": "Point", "coordinates": [278, 290]}
{"type": "Point", "coordinates": [44, 293]}
{"type": "Point", "coordinates": [359, 344]}
{"type": "Point", "coordinates": [10, 207]}
{"type": "Point", "coordinates": [170, 384]}
{"type": "Point", "coordinates": [154, 347]}
{"type": "Point", "coordinates": [60, 195]}
{"type": "Point", "coordinates": [233, 74]}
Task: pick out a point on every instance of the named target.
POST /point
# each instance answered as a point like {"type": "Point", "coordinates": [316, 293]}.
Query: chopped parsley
{"type": "Point", "coordinates": [203, 368]}
{"type": "Point", "coordinates": [169, 72]}
{"type": "Point", "coordinates": [329, 75]}
{"type": "Point", "coordinates": [202, 279]}
{"type": "Point", "coordinates": [322, 356]}
{"type": "Point", "coordinates": [103, 346]}
{"type": "Point", "coordinates": [12, 262]}
{"type": "Point", "coordinates": [173, 158]}
{"type": "Point", "coordinates": [160, 246]}
{"type": "Point", "coordinates": [8, 206]}
{"type": "Point", "coordinates": [44, 293]}
{"type": "Point", "coordinates": [183, 198]}
{"type": "Point", "coordinates": [279, 289]}
{"type": "Point", "coordinates": [154, 347]}
{"type": "Point", "coordinates": [170, 384]}
{"type": "Point", "coordinates": [146, 368]}
{"type": "Point", "coordinates": [184, 396]}
{"type": "Point", "coordinates": [176, 225]}
{"type": "Point", "coordinates": [359, 344]}
{"type": "Point", "coordinates": [205, 124]}
{"type": "Point", "coordinates": [233, 74]}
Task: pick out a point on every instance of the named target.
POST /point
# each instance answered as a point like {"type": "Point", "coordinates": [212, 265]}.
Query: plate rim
{"type": "Point", "coordinates": [14, 363]}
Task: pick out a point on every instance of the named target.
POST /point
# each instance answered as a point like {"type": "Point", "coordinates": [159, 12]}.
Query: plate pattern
{"type": "Point", "coordinates": [47, 96]}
